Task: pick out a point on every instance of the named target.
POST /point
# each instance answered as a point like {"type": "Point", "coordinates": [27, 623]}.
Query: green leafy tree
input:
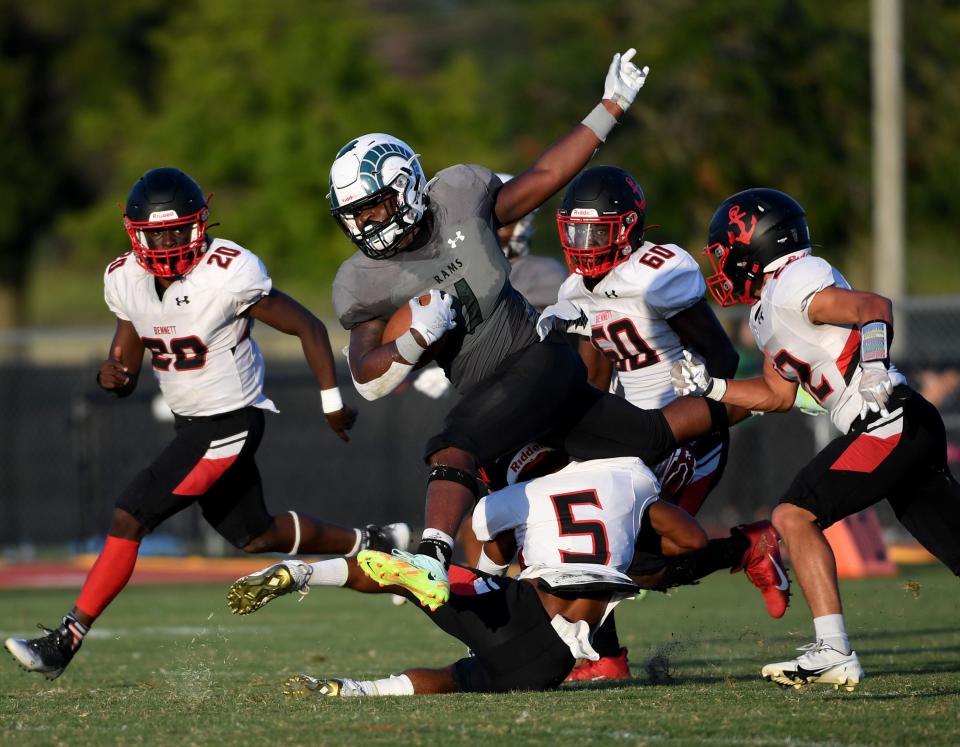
{"type": "Point", "coordinates": [254, 99]}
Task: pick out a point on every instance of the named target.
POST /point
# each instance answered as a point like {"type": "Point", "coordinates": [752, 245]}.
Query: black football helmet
{"type": "Point", "coordinates": [601, 220]}
{"type": "Point", "coordinates": [748, 233]}
{"type": "Point", "coordinates": [166, 218]}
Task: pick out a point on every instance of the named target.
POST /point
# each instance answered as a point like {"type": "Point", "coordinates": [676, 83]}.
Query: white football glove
{"type": "Point", "coordinates": [624, 79]}
{"type": "Point", "coordinates": [690, 378]}
{"type": "Point", "coordinates": [875, 388]}
{"type": "Point", "coordinates": [435, 319]}
{"type": "Point", "coordinates": [563, 315]}
{"type": "Point", "coordinates": [432, 382]}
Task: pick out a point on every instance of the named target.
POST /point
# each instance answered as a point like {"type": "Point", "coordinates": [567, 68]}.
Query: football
{"type": "Point", "coordinates": [400, 323]}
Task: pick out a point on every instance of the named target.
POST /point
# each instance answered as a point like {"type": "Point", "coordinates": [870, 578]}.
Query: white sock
{"type": "Point", "coordinates": [398, 684]}
{"type": "Point", "coordinates": [329, 572]}
{"type": "Point", "coordinates": [436, 534]}
{"type": "Point", "coordinates": [832, 631]}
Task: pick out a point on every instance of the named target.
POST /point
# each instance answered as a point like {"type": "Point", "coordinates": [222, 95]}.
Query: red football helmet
{"type": "Point", "coordinates": [166, 219]}
{"type": "Point", "coordinates": [601, 220]}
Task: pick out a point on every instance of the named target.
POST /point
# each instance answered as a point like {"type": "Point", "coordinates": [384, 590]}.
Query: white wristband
{"type": "Point", "coordinates": [718, 388]}
{"type": "Point", "coordinates": [600, 121]}
{"type": "Point", "coordinates": [488, 566]}
{"type": "Point", "coordinates": [330, 400]}
{"type": "Point", "coordinates": [408, 347]}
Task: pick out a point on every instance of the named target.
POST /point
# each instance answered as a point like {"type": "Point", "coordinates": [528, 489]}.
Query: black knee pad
{"type": "Point", "coordinates": [454, 474]}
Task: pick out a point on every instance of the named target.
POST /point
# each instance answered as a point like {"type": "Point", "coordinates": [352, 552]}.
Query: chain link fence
{"type": "Point", "coordinates": [68, 448]}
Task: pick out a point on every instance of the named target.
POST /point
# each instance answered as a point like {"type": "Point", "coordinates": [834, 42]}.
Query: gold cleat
{"type": "Point", "coordinates": [250, 593]}
{"type": "Point", "coordinates": [303, 685]}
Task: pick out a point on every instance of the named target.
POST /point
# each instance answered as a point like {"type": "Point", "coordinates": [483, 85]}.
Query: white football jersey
{"type": "Point", "coordinates": [627, 313]}
{"type": "Point", "coordinates": [587, 513]}
{"type": "Point", "coordinates": [823, 358]}
{"type": "Point", "coordinates": [203, 355]}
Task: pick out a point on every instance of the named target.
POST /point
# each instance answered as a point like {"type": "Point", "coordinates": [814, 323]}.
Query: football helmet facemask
{"type": "Point", "coordinates": [518, 242]}
{"type": "Point", "coordinates": [372, 170]}
{"type": "Point", "coordinates": [753, 232]}
{"type": "Point", "coordinates": [601, 220]}
{"type": "Point", "coordinates": [166, 219]}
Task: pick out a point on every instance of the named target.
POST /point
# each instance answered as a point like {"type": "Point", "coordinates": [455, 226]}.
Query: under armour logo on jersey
{"type": "Point", "coordinates": [183, 300]}
{"type": "Point", "coordinates": [453, 242]}
{"type": "Point", "coordinates": [611, 294]}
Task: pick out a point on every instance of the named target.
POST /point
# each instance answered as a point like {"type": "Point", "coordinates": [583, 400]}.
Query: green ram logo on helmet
{"type": "Point", "coordinates": [371, 165]}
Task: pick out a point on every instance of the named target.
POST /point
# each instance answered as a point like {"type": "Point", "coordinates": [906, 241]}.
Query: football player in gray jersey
{"type": "Point", "coordinates": [440, 239]}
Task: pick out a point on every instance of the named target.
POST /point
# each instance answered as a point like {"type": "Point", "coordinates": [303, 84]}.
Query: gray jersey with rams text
{"type": "Point", "coordinates": [463, 258]}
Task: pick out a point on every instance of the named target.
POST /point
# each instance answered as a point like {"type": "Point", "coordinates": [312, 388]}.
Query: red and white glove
{"type": "Point", "coordinates": [676, 472]}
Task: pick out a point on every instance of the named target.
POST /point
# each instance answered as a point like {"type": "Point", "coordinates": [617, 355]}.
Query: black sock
{"type": "Point", "coordinates": [605, 640]}
{"type": "Point", "coordinates": [719, 553]}
{"type": "Point", "coordinates": [435, 548]}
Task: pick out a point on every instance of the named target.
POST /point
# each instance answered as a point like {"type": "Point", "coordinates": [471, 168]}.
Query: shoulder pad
{"type": "Point", "coordinates": [794, 283]}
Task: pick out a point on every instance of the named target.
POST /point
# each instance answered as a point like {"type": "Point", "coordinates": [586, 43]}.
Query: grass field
{"type": "Point", "coordinates": [171, 666]}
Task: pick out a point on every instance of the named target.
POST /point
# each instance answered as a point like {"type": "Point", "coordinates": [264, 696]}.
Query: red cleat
{"type": "Point", "coordinates": [764, 566]}
{"type": "Point", "coordinates": [604, 668]}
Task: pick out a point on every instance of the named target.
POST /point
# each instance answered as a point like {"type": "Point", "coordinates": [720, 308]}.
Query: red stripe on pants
{"type": "Point", "coordinates": [866, 453]}
{"type": "Point", "coordinates": [202, 476]}
{"type": "Point", "coordinates": [461, 581]}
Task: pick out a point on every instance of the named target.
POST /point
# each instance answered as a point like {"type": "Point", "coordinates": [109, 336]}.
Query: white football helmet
{"type": "Point", "coordinates": [370, 170]}
{"type": "Point", "coordinates": [518, 244]}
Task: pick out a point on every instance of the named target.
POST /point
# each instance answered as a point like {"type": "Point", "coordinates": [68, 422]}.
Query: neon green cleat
{"type": "Point", "coordinates": [250, 593]}
{"type": "Point", "coordinates": [423, 576]}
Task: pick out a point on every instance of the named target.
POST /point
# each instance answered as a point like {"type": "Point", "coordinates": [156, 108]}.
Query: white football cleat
{"type": "Point", "coordinates": [821, 664]}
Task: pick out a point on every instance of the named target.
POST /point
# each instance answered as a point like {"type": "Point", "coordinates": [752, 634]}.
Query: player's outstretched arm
{"type": "Point", "coordinates": [557, 165]}
{"type": "Point", "coordinates": [767, 393]}
{"type": "Point", "coordinates": [285, 314]}
{"type": "Point", "coordinates": [118, 373]}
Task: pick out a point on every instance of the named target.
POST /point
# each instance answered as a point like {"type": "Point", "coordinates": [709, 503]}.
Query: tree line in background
{"type": "Point", "coordinates": [254, 99]}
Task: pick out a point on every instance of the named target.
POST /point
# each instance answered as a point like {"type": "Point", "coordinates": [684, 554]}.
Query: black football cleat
{"type": "Point", "coordinates": [387, 537]}
{"type": "Point", "coordinates": [49, 654]}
